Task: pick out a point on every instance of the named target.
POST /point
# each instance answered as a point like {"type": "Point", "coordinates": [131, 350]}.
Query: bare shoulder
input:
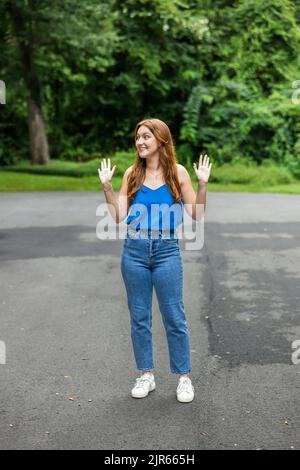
{"type": "Point", "coordinates": [182, 173]}
{"type": "Point", "coordinates": [128, 171]}
{"type": "Point", "coordinates": [124, 186]}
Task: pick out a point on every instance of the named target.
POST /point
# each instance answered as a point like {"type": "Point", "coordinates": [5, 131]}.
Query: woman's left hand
{"type": "Point", "coordinates": [203, 170]}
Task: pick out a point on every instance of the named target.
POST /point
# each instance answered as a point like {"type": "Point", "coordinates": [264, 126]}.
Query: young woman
{"type": "Point", "coordinates": [151, 254]}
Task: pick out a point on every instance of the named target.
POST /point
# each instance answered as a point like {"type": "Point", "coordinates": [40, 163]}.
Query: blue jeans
{"type": "Point", "coordinates": [148, 262]}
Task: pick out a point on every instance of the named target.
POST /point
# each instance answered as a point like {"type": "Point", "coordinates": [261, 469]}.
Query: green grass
{"type": "Point", "coordinates": [122, 160]}
{"type": "Point", "coordinates": [10, 181]}
{"type": "Point", "coordinates": [71, 176]}
{"type": "Point", "coordinates": [56, 168]}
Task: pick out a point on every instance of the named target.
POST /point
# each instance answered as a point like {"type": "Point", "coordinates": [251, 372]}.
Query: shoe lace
{"type": "Point", "coordinates": [185, 386]}
{"type": "Point", "coordinates": [140, 381]}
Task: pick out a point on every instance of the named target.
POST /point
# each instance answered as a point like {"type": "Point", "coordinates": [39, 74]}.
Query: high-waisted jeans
{"type": "Point", "coordinates": [148, 262]}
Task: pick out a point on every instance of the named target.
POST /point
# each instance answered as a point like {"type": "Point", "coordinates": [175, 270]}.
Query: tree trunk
{"type": "Point", "coordinates": [25, 38]}
{"type": "Point", "coordinates": [38, 138]}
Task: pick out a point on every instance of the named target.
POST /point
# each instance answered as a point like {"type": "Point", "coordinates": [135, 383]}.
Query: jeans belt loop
{"type": "Point", "coordinates": [150, 232]}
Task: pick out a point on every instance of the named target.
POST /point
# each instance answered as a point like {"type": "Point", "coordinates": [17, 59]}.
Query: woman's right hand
{"type": "Point", "coordinates": [106, 174]}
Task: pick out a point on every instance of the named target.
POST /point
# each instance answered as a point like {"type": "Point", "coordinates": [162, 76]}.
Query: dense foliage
{"type": "Point", "coordinates": [220, 73]}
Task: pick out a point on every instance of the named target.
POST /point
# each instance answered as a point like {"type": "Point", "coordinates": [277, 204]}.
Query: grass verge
{"type": "Point", "coordinates": [72, 176]}
{"type": "Point", "coordinates": [11, 181]}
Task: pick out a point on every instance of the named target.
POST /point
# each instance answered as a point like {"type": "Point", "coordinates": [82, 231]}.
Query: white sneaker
{"type": "Point", "coordinates": [143, 385]}
{"type": "Point", "coordinates": [185, 390]}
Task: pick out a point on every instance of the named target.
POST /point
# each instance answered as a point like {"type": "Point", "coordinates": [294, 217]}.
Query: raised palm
{"type": "Point", "coordinates": [106, 174]}
{"type": "Point", "coordinates": [203, 170]}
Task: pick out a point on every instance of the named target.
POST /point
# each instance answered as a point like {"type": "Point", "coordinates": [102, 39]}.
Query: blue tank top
{"type": "Point", "coordinates": [154, 209]}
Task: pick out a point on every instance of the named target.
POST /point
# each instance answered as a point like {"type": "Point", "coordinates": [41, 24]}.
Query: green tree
{"type": "Point", "coordinates": [242, 105]}
{"type": "Point", "coordinates": [44, 36]}
{"type": "Point", "coordinates": [156, 62]}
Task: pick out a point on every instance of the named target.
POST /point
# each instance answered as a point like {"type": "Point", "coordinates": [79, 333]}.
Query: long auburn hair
{"type": "Point", "coordinates": [167, 157]}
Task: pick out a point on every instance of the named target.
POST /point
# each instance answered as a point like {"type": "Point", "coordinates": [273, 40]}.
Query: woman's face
{"type": "Point", "coordinates": [145, 142]}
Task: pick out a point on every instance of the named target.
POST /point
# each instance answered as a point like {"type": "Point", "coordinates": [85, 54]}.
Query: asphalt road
{"type": "Point", "coordinates": [64, 323]}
